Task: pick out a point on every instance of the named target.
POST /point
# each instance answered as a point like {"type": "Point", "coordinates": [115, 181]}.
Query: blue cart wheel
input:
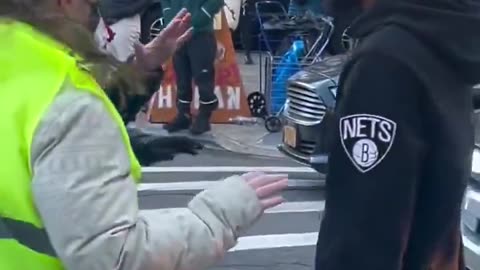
{"type": "Point", "coordinates": [273, 124]}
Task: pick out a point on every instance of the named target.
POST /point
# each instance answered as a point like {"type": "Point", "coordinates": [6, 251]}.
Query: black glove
{"type": "Point", "coordinates": [153, 148]}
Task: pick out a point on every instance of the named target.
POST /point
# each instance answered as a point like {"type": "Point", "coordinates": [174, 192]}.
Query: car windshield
{"type": "Point", "coordinates": [330, 66]}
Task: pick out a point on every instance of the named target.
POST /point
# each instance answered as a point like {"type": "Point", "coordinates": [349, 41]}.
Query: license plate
{"type": "Point", "coordinates": [290, 136]}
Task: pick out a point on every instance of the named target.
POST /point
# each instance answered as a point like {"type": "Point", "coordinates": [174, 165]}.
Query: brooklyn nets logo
{"type": "Point", "coordinates": [366, 139]}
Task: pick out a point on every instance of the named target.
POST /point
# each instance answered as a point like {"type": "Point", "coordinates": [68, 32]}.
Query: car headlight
{"type": "Point", "coordinates": [476, 164]}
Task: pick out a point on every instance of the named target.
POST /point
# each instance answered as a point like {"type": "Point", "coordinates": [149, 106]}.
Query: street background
{"type": "Point", "coordinates": [285, 237]}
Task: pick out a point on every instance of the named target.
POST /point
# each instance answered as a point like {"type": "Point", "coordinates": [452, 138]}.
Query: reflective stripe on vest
{"type": "Point", "coordinates": [34, 69]}
{"type": "Point", "coordinates": [27, 235]}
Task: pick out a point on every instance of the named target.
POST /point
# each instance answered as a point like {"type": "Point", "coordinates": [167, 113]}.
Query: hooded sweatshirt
{"type": "Point", "coordinates": [402, 139]}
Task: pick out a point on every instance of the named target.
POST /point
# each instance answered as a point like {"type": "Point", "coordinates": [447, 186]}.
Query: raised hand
{"type": "Point", "coordinates": [267, 187]}
{"type": "Point", "coordinates": [153, 55]}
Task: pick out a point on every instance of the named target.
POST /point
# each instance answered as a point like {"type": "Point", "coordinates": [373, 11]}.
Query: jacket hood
{"type": "Point", "coordinates": [449, 27]}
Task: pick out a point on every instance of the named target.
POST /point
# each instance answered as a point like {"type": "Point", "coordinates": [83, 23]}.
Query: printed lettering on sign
{"type": "Point", "coordinates": [229, 98]}
{"type": "Point", "coordinates": [366, 139]}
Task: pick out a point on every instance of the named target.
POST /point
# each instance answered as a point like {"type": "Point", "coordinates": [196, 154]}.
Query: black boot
{"type": "Point", "coordinates": [182, 120]}
{"type": "Point", "coordinates": [202, 121]}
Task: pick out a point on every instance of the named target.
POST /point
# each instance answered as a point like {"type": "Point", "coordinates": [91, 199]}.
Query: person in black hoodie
{"type": "Point", "coordinates": [402, 138]}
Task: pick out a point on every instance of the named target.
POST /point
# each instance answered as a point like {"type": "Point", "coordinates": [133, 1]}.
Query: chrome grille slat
{"type": "Point", "coordinates": [319, 113]}
{"type": "Point", "coordinates": [306, 147]}
{"type": "Point", "coordinates": [304, 98]}
{"type": "Point", "coordinates": [304, 104]}
{"type": "Point", "coordinates": [303, 91]}
{"type": "Point", "coordinates": [308, 105]}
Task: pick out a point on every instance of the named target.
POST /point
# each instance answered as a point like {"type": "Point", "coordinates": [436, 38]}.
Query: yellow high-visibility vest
{"type": "Point", "coordinates": [33, 68]}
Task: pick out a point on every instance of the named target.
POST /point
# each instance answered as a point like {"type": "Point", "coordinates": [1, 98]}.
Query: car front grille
{"type": "Point", "coordinates": [304, 104]}
{"type": "Point", "coordinates": [306, 147]}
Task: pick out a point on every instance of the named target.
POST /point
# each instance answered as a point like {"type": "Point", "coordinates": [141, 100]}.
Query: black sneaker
{"type": "Point", "coordinates": [200, 125]}
{"type": "Point", "coordinates": [202, 121]}
{"type": "Point", "coordinates": [181, 122]}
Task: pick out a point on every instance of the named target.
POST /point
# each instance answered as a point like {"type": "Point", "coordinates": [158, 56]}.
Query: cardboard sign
{"type": "Point", "coordinates": [217, 21]}
{"type": "Point", "coordinates": [228, 87]}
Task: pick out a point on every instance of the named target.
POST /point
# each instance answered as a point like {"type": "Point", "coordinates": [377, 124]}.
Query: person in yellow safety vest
{"type": "Point", "coordinates": [68, 173]}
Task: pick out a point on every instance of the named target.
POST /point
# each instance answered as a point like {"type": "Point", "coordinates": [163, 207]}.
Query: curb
{"type": "Point", "coordinates": [220, 138]}
{"type": "Point", "coordinates": [250, 147]}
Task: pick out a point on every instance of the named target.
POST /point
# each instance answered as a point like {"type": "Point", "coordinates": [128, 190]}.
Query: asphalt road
{"type": "Point", "coordinates": [282, 239]}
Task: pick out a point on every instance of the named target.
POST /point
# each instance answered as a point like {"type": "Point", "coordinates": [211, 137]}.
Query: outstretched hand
{"type": "Point", "coordinates": [267, 187]}
{"type": "Point", "coordinates": [153, 55]}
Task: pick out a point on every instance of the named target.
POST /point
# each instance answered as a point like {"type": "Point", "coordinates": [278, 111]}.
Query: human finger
{"type": "Point", "coordinates": [265, 179]}
{"type": "Point", "coordinates": [175, 23]}
{"type": "Point", "coordinates": [185, 37]}
{"type": "Point", "coordinates": [272, 189]}
{"type": "Point", "coordinates": [187, 18]}
{"type": "Point", "coordinates": [186, 23]}
{"type": "Point", "coordinates": [271, 202]}
{"type": "Point", "coordinates": [171, 28]}
{"type": "Point", "coordinates": [251, 175]}
{"type": "Point", "coordinates": [179, 16]}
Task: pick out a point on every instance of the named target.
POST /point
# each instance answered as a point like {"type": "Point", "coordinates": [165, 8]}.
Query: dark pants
{"type": "Point", "coordinates": [195, 61]}
{"type": "Point", "coordinates": [246, 27]}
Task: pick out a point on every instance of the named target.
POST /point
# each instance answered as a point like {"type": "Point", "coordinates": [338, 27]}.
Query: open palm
{"type": "Point", "coordinates": [154, 54]}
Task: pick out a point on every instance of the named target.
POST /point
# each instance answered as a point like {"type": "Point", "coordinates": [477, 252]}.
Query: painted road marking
{"type": "Point", "coordinates": [286, 207]}
{"type": "Point", "coordinates": [298, 207]}
{"type": "Point", "coordinates": [270, 241]}
{"type": "Point", "coordinates": [201, 185]}
{"type": "Point", "coordinates": [228, 169]}
{"type": "Point", "coordinates": [470, 245]}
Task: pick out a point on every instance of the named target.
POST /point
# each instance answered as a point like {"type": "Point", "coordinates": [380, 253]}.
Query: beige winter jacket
{"type": "Point", "coordinates": [90, 209]}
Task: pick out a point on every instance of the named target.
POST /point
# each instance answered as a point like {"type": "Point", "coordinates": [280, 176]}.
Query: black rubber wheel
{"type": "Point", "coordinates": [257, 104]}
{"type": "Point", "coordinates": [151, 21]}
{"type": "Point", "coordinates": [341, 22]}
{"type": "Point", "coordinates": [273, 124]}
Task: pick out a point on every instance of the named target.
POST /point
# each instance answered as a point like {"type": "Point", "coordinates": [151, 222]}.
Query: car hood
{"type": "Point", "coordinates": [329, 68]}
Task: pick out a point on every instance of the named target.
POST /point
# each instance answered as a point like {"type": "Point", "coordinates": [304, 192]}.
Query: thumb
{"type": "Point", "coordinates": [140, 57]}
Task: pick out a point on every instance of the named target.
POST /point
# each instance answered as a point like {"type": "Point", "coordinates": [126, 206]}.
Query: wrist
{"type": "Point", "coordinates": [144, 68]}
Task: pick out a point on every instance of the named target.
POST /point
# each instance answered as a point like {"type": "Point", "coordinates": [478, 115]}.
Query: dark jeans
{"type": "Point", "coordinates": [195, 61]}
{"type": "Point", "coordinates": [246, 26]}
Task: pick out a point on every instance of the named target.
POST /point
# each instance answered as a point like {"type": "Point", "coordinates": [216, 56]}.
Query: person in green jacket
{"type": "Point", "coordinates": [195, 61]}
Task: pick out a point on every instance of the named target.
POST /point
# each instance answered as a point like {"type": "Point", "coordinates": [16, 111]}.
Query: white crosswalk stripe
{"type": "Point", "coordinates": [230, 169]}
{"type": "Point", "coordinates": [264, 237]}
{"type": "Point", "coordinates": [201, 185]}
